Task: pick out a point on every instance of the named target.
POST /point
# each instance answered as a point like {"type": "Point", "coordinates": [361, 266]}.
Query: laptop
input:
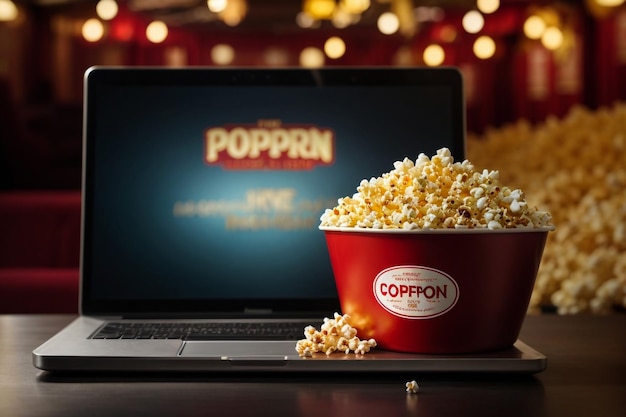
{"type": "Point", "coordinates": [202, 192]}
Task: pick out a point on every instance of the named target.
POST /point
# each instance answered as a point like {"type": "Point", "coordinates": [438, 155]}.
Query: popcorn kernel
{"type": "Point", "coordinates": [336, 334]}
{"type": "Point", "coordinates": [412, 387]}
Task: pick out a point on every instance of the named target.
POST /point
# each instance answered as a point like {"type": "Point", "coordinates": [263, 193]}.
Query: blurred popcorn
{"type": "Point", "coordinates": [576, 168]}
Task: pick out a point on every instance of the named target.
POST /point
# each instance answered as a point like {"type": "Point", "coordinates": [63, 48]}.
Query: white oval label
{"type": "Point", "coordinates": [415, 292]}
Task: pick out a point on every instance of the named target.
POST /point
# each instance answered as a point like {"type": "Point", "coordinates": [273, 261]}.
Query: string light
{"type": "Point", "coordinates": [473, 21]}
{"type": "Point", "coordinates": [341, 19]}
{"type": "Point", "coordinates": [106, 9]}
{"type": "Point", "coordinates": [534, 27]}
{"type": "Point", "coordinates": [92, 30]}
{"type": "Point", "coordinates": [434, 55]}
{"type": "Point", "coordinates": [552, 38]}
{"type": "Point", "coordinates": [484, 47]}
{"type": "Point", "coordinates": [334, 47]}
{"type": "Point", "coordinates": [156, 32]}
{"type": "Point", "coordinates": [354, 6]}
{"type": "Point", "coordinates": [222, 54]}
{"type": "Point", "coordinates": [276, 57]}
{"type": "Point", "coordinates": [304, 20]}
{"type": "Point", "coordinates": [8, 11]}
{"type": "Point", "coordinates": [488, 6]}
{"type": "Point", "coordinates": [319, 9]}
{"type": "Point", "coordinates": [217, 6]}
{"type": "Point", "coordinates": [311, 57]}
{"type": "Point", "coordinates": [388, 23]}
{"type": "Point", "coordinates": [234, 12]}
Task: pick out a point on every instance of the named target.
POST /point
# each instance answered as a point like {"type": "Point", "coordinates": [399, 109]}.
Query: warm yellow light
{"type": "Point", "coordinates": [304, 20]}
{"type": "Point", "coordinates": [222, 54]}
{"type": "Point", "coordinates": [92, 30]}
{"type": "Point", "coordinates": [276, 57]}
{"type": "Point", "coordinates": [8, 11]}
{"type": "Point", "coordinates": [156, 32]}
{"type": "Point", "coordinates": [484, 47]}
{"type": "Point", "coordinates": [311, 58]}
{"type": "Point", "coordinates": [355, 6]}
{"type": "Point", "coordinates": [234, 12]}
{"type": "Point", "coordinates": [319, 9]}
{"type": "Point", "coordinates": [388, 23]}
{"type": "Point", "coordinates": [610, 3]}
{"type": "Point", "coordinates": [175, 56]}
{"type": "Point", "coordinates": [487, 6]}
{"type": "Point", "coordinates": [231, 19]}
{"type": "Point", "coordinates": [434, 55]}
{"type": "Point", "coordinates": [217, 6]}
{"type": "Point", "coordinates": [106, 9]}
{"type": "Point", "coordinates": [341, 19]}
{"type": "Point", "coordinates": [334, 47]}
{"type": "Point", "coordinates": [473, 21]}
{"type": "Point", "coordinates": [552, 38]}
{"type": "Point", "coordinates": [534, 27]}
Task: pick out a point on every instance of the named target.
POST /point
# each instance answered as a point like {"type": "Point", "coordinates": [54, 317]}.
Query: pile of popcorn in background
{"type": "Point", "coordinates": [575, 167]}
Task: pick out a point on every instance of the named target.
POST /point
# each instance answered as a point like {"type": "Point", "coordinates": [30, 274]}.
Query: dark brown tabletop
{"type": "Point", "coordinates": [586, 376]}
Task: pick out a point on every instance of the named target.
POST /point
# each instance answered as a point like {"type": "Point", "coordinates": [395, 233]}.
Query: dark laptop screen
{"type": "Point", "coordinates": [203, 187]}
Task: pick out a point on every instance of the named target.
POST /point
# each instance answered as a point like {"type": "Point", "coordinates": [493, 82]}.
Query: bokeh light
{"type": "Point", "coordinates": [334, 47]}
{"type": "Point", "coordinates": [311, 57]}
{"type": "Point", "coordinates": [552, 38]}
{"type": "Point", "coordinates": [434, 55]}
{"type": "Point", "coordinates": [217, 6]}
{"type": "Point", "coordinates": [484, 47]}
{"type": "Point", "coordinates": [534, 26]}
{"type": "Point", "coordinates": [354, 6]}
{"type": "Point", "coordinates": [92, 30]}
{"type": "Point", "coordinates": [473, 21]}
{"type": "Point", "coordinates": [222, 54]}
{"type": "Point", "coordinates": [8, 11]}
{"type": "Point", "coordinates": [388, 23]}
{"type": "Point", "coordinates": [107, 9]}
{"type": "Point", "coordinates": [156, 32]}
{"type": "Point", "coordinates": [488, 6]}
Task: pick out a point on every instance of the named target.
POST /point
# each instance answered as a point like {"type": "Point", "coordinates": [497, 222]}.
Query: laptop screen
{"type": "Point", "coordinates": [203, 188]}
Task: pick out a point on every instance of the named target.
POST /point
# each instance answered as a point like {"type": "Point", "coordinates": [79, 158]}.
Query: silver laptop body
{"type": "Point", "coordinates": [202, 191]}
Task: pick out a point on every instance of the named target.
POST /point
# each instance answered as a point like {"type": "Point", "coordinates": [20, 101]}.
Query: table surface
{"type": "Point", "coordinates": [586, 376]}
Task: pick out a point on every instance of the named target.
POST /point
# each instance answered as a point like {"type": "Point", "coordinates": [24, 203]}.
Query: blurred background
{"type": "Point", "coordinates": [545, 81]}
{"type": "Point", "coordinates": [521, 59]}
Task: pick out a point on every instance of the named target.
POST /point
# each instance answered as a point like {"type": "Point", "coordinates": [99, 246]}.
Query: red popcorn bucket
{"type": "Point", "coordinates": [438, 291]}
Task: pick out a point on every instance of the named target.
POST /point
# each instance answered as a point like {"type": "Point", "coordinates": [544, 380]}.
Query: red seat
{"type": "Point", "coordinates": [39, 251]}
{"type": "Point", "coordinates": [38, 290]}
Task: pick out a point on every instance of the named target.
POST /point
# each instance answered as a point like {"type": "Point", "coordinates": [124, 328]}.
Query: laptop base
{"type": "Point", "coordinates": [171, 355]}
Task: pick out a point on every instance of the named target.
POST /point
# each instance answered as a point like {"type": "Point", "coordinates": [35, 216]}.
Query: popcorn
{"type": "Point", "coordinates": [336, 334]}
{"type": "Point", "coordinates": [435, 193]}
{"type": "Point", "coordinates": [412, 387]}
{"type": "Point", "coordinates": [576, 168]}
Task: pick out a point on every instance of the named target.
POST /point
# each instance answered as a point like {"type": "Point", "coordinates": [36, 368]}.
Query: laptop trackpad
{"type": "Point", "coordinates": [240, 350]}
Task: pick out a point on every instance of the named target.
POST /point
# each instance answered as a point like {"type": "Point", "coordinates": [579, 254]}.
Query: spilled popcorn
{"type": "Point", "coordinates": [435, 193]}
{"type": "Point", "coordinates": [412, 387]}
{"type": "Point", "coordinates": [336, 334]}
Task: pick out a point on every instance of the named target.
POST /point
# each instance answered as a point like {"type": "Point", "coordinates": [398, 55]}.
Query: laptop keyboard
{"type": "Point", "coordinates": [202, 331]}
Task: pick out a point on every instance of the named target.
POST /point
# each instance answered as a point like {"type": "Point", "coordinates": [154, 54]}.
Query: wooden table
{"type": "Point", "coordinates": [586, 376]}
